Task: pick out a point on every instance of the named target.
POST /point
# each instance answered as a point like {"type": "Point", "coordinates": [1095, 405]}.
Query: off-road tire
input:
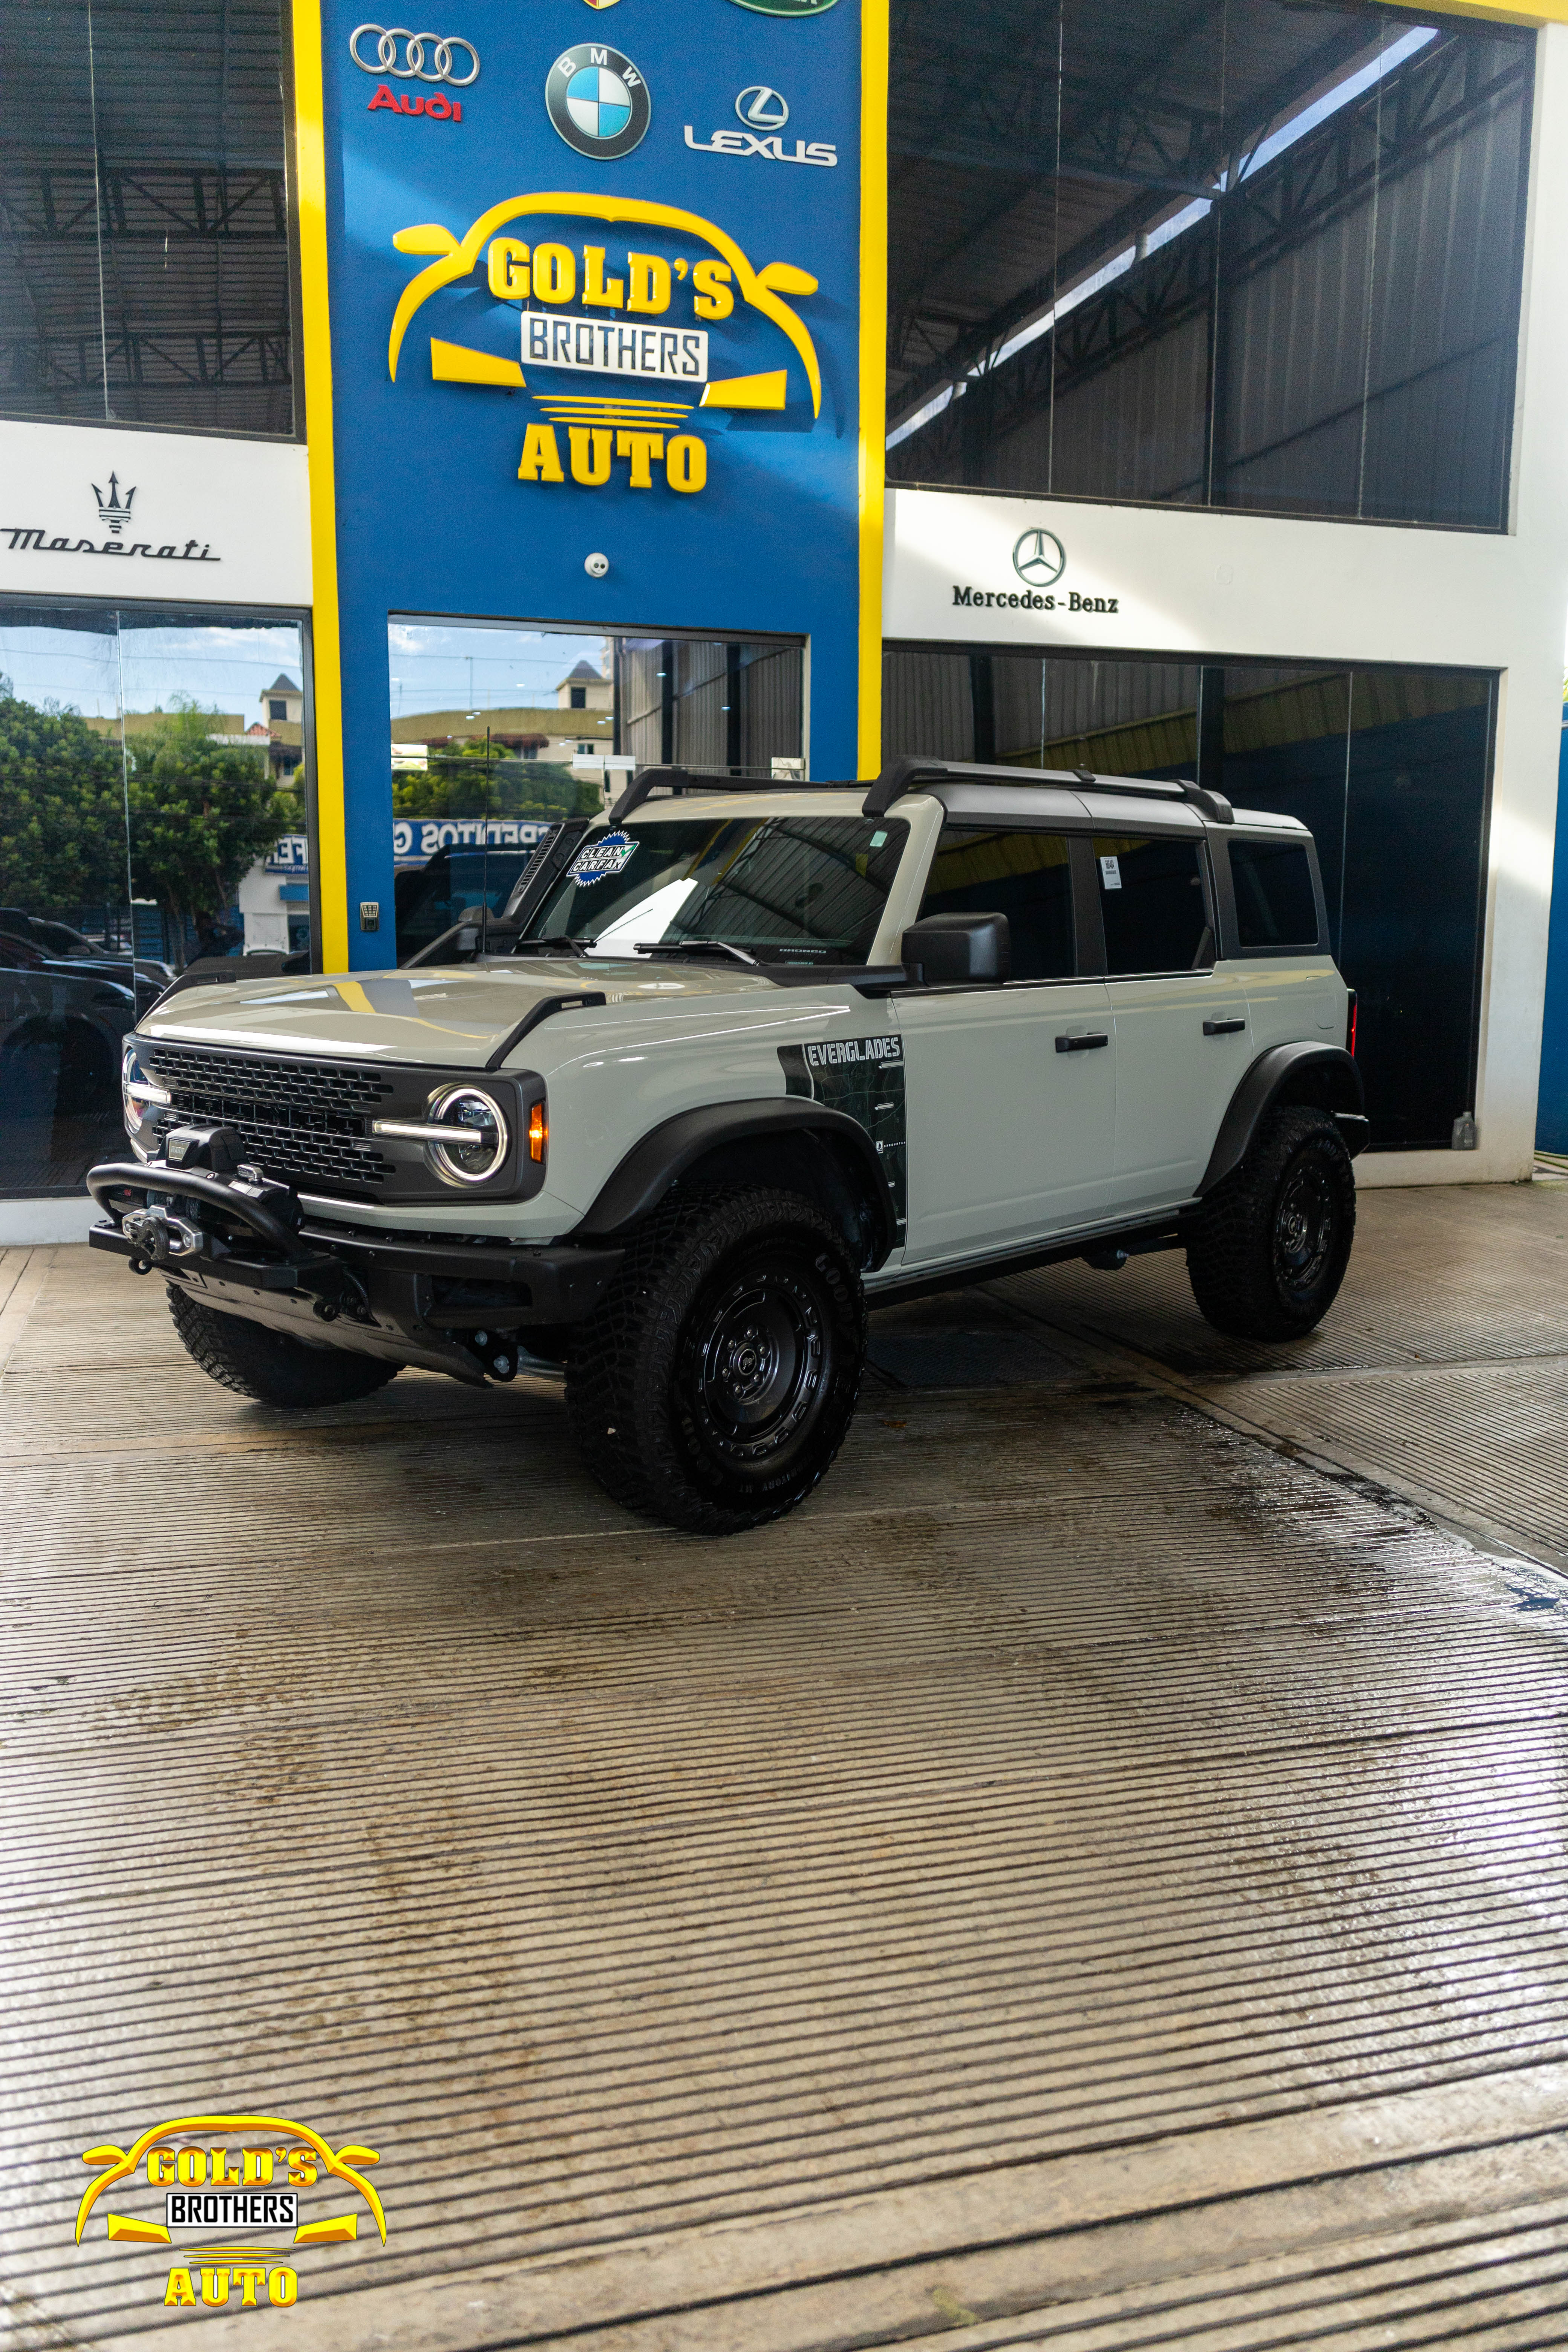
{"type": "Point", "coordinates": [269, 1366]}
{"type": "Point", "coordinates": [1269, 1250]}
{"type": "Point", "coordinates": [715, 1383]}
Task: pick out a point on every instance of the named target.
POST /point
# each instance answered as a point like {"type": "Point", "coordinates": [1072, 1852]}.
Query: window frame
{"type": "Point", "coordinates": [1229, 928]}
{"type": "Point", "coordinates": [1059, 830]}
{"type": "Point", "coordinates": [1206, 876]}
{"type": "Point", "coordinates": [1089, 959]}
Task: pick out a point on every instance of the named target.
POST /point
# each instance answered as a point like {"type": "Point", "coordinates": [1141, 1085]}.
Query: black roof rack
{"type": "Point", "coordinates": [907, 775]}
{"type": "Point", "coordinates": [648, 779]}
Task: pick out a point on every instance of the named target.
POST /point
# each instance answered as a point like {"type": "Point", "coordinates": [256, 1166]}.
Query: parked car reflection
{"type": "Point", "coordinates": [65, 1006]}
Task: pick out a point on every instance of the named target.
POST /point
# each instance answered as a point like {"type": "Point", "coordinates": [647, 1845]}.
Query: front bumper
{"type": "Point", "coordinates": [251, 1252]}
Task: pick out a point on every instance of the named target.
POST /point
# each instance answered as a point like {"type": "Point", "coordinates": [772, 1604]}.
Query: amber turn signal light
{"type": "Point", "coordinates": [538, 1132]}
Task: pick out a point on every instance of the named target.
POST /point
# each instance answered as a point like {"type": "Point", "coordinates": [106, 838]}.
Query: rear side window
{"type": "Point", "coordinates": [1028, 877]}
{"type": "Point", "coordinates": [1152, 899]}
{"type": "Point", "coordinates": [1275, 906]}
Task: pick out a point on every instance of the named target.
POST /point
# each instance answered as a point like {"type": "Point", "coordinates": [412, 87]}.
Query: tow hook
{"type": "Point", "coordinates": [160, 1238]}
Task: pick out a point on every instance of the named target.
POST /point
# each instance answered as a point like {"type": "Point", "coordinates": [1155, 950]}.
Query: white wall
{"type": "Point", "coordinates": [246, 503]}
{"type": "Point", "coordinates": [1193, 585]}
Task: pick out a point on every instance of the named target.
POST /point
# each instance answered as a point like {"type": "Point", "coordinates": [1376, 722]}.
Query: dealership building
{"type": "Point", "coordinates": [1170, 389]}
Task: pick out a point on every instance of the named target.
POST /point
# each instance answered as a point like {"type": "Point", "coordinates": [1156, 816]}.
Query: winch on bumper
{"type": "Point", "coordinates": [202, 1217]}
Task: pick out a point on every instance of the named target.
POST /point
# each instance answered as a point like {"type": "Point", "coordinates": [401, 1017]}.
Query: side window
{"type": "Point", "coordinates": [1275, 906]}
{"type": "Point", "coordinates": [1152, 897]}
{"type": "Point", "coordinates": [1028, 877]}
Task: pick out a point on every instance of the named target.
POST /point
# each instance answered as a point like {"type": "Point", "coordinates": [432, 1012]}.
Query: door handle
{"type": "Point", "coordinates": [1082, 1044]}
{"type": "Point", "coordinates": [1222, 1028]}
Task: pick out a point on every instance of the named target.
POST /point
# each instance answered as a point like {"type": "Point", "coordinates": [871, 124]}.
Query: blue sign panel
{"type": "Point", "coordinates": [595, 338]}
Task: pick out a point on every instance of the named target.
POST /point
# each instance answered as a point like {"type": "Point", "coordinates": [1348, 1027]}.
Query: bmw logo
{"type": "Point", "coordinates": [597, 100]}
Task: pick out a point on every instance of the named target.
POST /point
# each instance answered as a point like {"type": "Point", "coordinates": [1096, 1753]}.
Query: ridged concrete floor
{"type": "Point", "coordinates": [1094, 1879]}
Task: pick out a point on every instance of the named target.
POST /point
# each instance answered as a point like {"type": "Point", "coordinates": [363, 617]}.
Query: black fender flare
{"type": "Point", "coordinates": [667, 1150]}
{"type": "Point", "coordinates": [1298, 1072]}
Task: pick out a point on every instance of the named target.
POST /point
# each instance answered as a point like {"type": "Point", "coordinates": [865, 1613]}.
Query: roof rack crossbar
{"type": "Point", "coordinates": [906, 776]}
{"type": "Point", "coordinates": [646, 781]}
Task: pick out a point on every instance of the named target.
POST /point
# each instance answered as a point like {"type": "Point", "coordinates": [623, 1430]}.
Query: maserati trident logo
{"type": "Point", "coordinates": [113, 514]}
{"type": "Point", "coordinates": [114, 511]}
{"type": "Point", "coordinates": [1039, 558]}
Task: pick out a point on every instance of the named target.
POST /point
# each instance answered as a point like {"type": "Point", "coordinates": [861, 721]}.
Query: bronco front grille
{"type": "Point", "coordinates": [303, 1122]}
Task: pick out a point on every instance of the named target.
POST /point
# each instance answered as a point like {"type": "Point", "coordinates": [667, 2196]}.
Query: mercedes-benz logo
{"type": "Point", "coordinates": [761, 109]}
{"type": "Point", "coordinates": [1039, 558]}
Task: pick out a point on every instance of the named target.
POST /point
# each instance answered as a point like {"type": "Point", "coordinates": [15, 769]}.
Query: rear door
{"type": "Point", "coordinates": [1011, 1091]}
{"type": "Point", "coordinates": [1293, 991]}
{"type": "Point", "coordinates": [1181, 1018]}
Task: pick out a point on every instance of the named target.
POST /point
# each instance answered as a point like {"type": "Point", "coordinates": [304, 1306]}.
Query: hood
{"type": "Point", "coordinates": [442, 1014]}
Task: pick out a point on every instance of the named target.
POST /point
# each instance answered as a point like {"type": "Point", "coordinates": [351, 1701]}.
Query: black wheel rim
{"type": "Point", "coordinates": [758, 1360]}
{"type": "Point", "coordinates": [1305, 1222]}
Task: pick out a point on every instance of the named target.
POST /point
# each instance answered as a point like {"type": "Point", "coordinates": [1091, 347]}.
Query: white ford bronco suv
{"type": "Point", "coordinates": [734, 1064]}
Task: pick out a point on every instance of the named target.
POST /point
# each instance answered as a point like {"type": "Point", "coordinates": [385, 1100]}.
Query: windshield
{"type": "Point", "coordinates": [795, 889]}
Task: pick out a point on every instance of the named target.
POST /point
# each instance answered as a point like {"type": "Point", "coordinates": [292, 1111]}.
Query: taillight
{"type": "Point", "coordinates": [1350, 1039]}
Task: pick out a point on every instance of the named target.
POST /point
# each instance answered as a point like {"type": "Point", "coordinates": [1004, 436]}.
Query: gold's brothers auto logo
{"type": "Point", "coordinates": [615, 340]}
{"type": "Point", "coordinates": [225, 2193]}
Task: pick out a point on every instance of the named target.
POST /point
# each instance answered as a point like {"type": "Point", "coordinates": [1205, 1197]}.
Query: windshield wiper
{"type": "Point", "coordinates": [695, 947]}
{"type": "Point", "coordinates": [555, 945]}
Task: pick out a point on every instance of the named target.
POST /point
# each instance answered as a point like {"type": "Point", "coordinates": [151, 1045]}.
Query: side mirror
{"type": "Point", "coordinates": [943, 948]}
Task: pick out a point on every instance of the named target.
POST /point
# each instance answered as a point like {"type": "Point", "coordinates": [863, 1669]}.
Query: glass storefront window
{"type": "Point", "coordinates": [150, 809]}
{"type": "Point", "coordinates": [1258, 255]}
{"type": "Point", "coordinates": [1388, 767]}
{"type": "Point", "coordinates": [500, 732]}
{"type": "Point", "coordinates": [144, 270]}
{"type": "Point", "coordinates": [701, 703]}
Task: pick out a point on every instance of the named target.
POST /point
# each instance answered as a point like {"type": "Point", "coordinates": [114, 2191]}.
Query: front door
{"type": "Point", "coordinates": [1182, 1034]}
{"type": "Point", "coordinates": [1011, 1091]}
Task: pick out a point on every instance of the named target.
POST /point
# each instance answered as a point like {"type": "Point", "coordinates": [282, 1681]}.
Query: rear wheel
{"type": "Point", "coordinates": [716, 1383]}
{"type": "Point", "coordinates": [1269, 1248]}
{"type": "Point", "coordinates": [269, 1366]}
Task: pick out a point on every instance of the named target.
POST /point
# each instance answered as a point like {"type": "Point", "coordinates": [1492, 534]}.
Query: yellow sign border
{"type": "Point", "coordinates": [327, 687]}
{"type": "Point", "coordinates": [1500, 11]}
{"type": "Point", "coordinates": [310, 165]}
{"type": "Point", "coordinates": [873, 449]}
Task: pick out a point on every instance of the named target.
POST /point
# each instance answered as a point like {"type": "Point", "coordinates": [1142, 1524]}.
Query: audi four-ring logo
{"type": "Point", "coordinates": [415, 45]}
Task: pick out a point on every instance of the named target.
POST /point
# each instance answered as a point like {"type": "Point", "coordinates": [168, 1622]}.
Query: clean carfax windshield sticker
{"type": "Point", "coordinates": [865, 1077]}
{"type": "Point", "coordinates": [220, 2196]}
{"type": "Point", "coordinates": [597, 860]}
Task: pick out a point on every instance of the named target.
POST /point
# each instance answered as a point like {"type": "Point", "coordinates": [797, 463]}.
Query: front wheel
{"type": "Point", "coordinates": [271, 1367]}
{"type": "Point", "coordinates": [716, 1383]}
{"type": "Point", "coordinates": [1270, 1247]}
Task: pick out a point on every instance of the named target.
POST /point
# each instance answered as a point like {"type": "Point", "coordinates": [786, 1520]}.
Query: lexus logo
{"type": "Point", "coordinates": [416, 48]}
{"type": "Point", "coordinates": [761, 109]}
{"type": "Point", "coordinates": [1039, 558]}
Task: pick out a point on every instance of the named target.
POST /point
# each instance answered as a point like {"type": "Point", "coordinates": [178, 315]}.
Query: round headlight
{"type": "Point", "coordinates": [481, 1138]}
{"type": "Point", "coordinates": [141, 1098]}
